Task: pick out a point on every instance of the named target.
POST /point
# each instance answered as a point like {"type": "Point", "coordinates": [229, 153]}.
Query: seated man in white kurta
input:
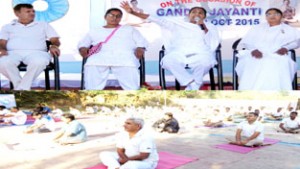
{"type": "Point", "coordinates": [265, 64]}
{"type": "Point", "coordinates": [290, 124]}
{"type": "Point", "coordinates": [120, 54]}
{"type": "Point", "coordinates": [24, 40]}
{"type": "Point", "coordinates": [249, 132]}
{"type": "Point", "coordinates": [191, 44]}
{"type": "Point", "coordinates": [135, 148]}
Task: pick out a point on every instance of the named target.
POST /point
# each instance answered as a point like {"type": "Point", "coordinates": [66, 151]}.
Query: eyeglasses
{"type": "Point", "coordinates": [114, 16]}
{"type": "Point", "coordinates": [272, 14]}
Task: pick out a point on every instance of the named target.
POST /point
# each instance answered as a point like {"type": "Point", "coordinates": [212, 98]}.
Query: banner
{"type": "Point", "coordinates": [232, 17]}
{"type": "Point", "coordinates": [7, 100]}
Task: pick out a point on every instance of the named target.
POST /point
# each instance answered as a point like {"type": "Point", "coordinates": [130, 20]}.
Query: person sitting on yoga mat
{"type": "Point", "coordinates": [135, 148]}
{"type": "Point", "coordinates": [215, 119]}
{"type": "Point", "coordinates": [15, 116]}
{"type": "Point", "coordinates": [278, 115]}
{"type": "Point", "coordinates": [167, 124]}
{"type": "Point", "coordinates": [249, 132]}
{"type": "Point", "coordinates": [42, 124]}
{"type": "Point", "coordinates": [73, 133]}
{"type": "Point", "coordinates": [290, 124]}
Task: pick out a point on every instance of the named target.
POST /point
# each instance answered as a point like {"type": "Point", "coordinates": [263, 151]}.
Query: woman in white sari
{"type": "Point", "coordinates": [265, 63]}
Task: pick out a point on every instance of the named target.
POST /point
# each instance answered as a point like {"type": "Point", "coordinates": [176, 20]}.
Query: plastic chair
{"type": "Point", "coordinates": [53, 65]}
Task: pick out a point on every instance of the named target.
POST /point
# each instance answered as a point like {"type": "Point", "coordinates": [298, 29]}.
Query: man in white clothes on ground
{"type": "Point", "coordinates": [192, 44]}
{"type": "Point", "coordinates": [135, 149]}
{"type": "Point", "coordinates": [266, 64]}
{"type": "Point", "coordinates": [290, 124]}
{"type": "Point", "coordinates": [120, 54]}
{"type": "Point", "coordinates": [24, 40]}
{"type": "Point", "coordinates": [16, 116]}
{"type": "Point", "coordinates": [249, 132]}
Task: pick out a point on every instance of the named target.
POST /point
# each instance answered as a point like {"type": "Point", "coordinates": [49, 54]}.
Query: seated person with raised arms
{"type": "Point", "coordinates": [192, 44]}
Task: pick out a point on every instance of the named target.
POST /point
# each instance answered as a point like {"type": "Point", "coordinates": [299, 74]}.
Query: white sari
{"type": "Point", "coordinates": [272, 71]}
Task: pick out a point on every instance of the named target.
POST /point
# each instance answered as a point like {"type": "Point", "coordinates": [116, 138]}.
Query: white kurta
{"type": "Point", "coordinates": [272, 71]}
{"type": "Point", "coordinates": [189, 45]}
{"type": "Point", "coordinates": [142, 142]}
{"type": "Point", "coordinates": [26, 43]}
{"type": "Point", "coordinates": [117, 54]}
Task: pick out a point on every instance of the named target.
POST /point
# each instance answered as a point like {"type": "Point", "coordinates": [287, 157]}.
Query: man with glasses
{"type": "Point", "coordinates": [116, 48]}
{"type": "Point", "coordinates": [265, 63]}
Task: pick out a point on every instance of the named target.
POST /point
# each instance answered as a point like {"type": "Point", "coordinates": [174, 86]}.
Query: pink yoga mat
{"type": "Point", "coordinates": [166, 161]}
{"type": "Point", "coordinates": [244, 150]}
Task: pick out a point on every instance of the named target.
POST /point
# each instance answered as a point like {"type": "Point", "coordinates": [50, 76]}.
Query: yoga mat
{"type": "Point", "coordinates": [166, 161]}
{"type": "Point", "coordinates": [225, 125]}
{"type": "Point", "coordinates": [30, 120]}
{"type": "Point", "coordinates": [290, 144]}
{"type": "Point", "coordinates": [243, 149]}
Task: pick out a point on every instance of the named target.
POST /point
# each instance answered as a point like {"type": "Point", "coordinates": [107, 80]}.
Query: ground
{"type": "Point", "coordinates": [37, 151]}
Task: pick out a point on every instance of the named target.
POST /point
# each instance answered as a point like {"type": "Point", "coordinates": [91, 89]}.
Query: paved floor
{"type": "Point", "coordinates": [36, 151]}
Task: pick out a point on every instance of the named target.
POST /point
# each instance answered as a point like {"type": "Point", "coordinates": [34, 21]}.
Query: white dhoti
{"type": "Point", "coordinates": [117, 55]}
{"type": "Point", "coordinates": [197, 69]}
{"type": "Point", "coordinates": [110, 159]}
{"type": "Point", "coordinates": [36, 62]}
{"type": "Point", "coordinates": [254, 142]}
{"type": "Point", "coordinates": [96, 77]}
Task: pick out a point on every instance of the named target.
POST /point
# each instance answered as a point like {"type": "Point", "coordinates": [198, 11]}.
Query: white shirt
{"type": "Point", "coordinates": [141, 142]}
{"type": "Point", "coordinates": [4, 111]}
{"type": "Point", "coordinates": [18, 118]}
{"type": "Point", "coordinates": [187, 39]}
{"type": "Point", "coordinates": [119, 49]}
{"type": "Point", "coordinates": [47, 122]}
{"type": "Point", "coordinates": [249, 129]}
{"type": "Point", "coordinates": [289, 123]}
{"type": "Point", "coordinates": [27, 37]}
{"type": "Point", "coordinates": [277, 114]}
{"type": "Point", "coordinates": [268, 39]}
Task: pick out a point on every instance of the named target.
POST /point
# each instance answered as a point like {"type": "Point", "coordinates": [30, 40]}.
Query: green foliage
{"type": "Point", "coordinates": [64, 99]}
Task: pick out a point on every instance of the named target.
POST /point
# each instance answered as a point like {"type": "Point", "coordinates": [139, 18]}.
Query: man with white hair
{"type": "Point", "coordinates": [135, 149]}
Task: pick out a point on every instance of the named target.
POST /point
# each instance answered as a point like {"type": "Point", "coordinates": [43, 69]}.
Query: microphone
{"type": "Point", "coordinates": [197, 20]}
